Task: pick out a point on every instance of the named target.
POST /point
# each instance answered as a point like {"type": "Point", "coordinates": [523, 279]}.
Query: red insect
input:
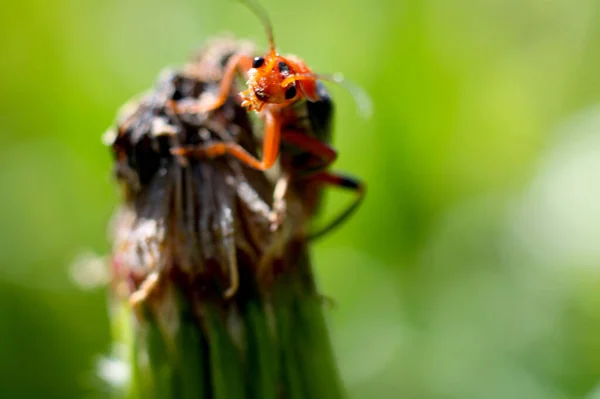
{"type": "Point", "coordinates": [275, 86]}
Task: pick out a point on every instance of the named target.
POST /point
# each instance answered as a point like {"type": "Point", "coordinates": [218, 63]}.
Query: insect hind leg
{"type": "Point", "coordinates": [342, 181]}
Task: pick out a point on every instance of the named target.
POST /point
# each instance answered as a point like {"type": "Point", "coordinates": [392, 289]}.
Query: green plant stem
{"type": "Point", "coordinates": [273, 344]}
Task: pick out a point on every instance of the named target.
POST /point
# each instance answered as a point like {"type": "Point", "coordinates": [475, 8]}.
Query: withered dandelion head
{"type": "Point", "coordinates": [198, 221]}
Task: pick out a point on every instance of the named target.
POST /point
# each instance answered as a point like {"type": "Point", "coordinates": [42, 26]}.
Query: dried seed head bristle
{"type": "Point", "coordinates": [202, 223]}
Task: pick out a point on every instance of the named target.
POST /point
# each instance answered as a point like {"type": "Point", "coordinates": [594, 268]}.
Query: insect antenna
{"type": "Point", "coordinates": [262, 14]}
{"type": "Point", "coordinates": [361, 98]}
{"type": "Point", "coordinates": [363, 101]}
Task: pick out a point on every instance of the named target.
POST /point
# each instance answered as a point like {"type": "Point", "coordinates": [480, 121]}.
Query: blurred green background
{"type": "Point", "coordinates": [471, 271]}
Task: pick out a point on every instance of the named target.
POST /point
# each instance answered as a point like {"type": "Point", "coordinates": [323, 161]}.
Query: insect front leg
{"type": "Point", "coordinates": [270, 148]}
{"type": "Point", "coordinates": [238, 62]}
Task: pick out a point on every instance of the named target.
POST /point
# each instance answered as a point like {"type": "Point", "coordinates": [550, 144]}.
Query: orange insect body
{"type": "Point", "coordinates": [274, 83]}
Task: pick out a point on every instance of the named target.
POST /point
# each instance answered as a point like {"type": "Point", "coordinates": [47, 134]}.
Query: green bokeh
{"type": "Point", "coordinates": [471, 270]}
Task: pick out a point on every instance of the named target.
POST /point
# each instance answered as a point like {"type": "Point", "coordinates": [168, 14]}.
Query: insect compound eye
{"type": "Point", "coordinates": [290, 92]}
{"type": "Point", "coordinates": [284, 69]}
{"type": "Point", "coordinates": [258, 62]}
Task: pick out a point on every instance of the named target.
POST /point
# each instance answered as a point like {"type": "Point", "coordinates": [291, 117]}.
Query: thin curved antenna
{"type": "Point", "coordinates": [262, 14]}
{"type": "Point", "coordinates": [363, 101]}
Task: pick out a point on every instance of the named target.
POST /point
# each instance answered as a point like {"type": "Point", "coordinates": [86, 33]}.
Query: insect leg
{"type": "Point", "coordinates": [237, 62]}
{"type": "Point", "coordinates": [321, 156]}
{"type": "Point", "coordinates": [341, 181]}
{"type": "Point", "coordinates": [321, 152]}
{"type": "Point", "coordinates": [270, 149]}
